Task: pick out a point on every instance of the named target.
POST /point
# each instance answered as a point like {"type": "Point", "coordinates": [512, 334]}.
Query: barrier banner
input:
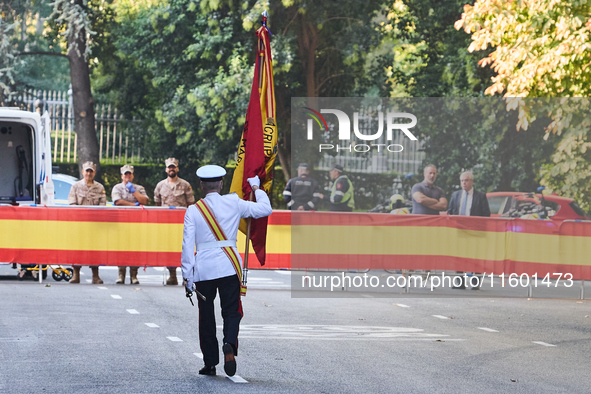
{"type": "Point", "coordinates": [303, 240]}
{"type": "Point", "coordinates": [110, 236]}
{"type": "Point", "coordinates": [362, 241]}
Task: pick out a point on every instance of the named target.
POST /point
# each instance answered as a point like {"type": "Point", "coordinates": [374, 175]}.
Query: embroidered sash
{"type": "Point", "coordinates": [219, 235]}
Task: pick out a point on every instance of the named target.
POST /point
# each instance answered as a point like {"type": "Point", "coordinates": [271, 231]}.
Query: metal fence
{"type": "Point", "coordinates": [118, 141]}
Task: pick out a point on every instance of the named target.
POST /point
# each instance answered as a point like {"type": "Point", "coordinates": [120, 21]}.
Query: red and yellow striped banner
{"type": "Point", "coordinates": [303, 240]}
{"type": "Point", "coordinates": [359, 241]}
{"type": "Point", "coordinates": [110, 236]}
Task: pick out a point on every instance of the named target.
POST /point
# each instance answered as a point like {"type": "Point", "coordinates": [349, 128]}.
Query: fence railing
{"type": "Point", "coordinates": [118, 143]}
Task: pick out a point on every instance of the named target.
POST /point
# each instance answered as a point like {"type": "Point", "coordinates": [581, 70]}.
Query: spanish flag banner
{"type": "Point", "coordinates": [258, 145]}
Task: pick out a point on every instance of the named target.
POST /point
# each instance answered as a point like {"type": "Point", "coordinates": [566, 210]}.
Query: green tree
{"type": "Point", "coordinates": [60, 29]}
{"type": "Point", "coordinates": [541, 49]}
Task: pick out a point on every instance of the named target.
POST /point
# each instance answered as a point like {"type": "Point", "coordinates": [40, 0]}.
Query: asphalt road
{"type": "Point", "coordinates": [57, 337]}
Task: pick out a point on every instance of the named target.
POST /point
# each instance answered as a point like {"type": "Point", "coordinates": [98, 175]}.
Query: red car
{"type": "Point", "coordinates": [558, 208]}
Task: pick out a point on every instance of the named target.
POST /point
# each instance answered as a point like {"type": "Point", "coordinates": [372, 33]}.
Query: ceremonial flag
{"type": "Point", "coordinates": [258, 145]}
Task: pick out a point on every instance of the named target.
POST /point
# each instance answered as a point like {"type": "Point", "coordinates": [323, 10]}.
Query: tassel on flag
{"type": "Point", "coordinates": [258, 145]}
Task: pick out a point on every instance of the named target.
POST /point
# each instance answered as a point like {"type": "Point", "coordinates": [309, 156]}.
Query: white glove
{"type": "Point", "coordinates": [189, 284]}
{"type": "Point", "coordinates": [255, 181]}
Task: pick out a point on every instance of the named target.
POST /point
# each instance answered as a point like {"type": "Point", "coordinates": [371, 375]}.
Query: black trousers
{"type": "Point", "coordinates": [229, 290]}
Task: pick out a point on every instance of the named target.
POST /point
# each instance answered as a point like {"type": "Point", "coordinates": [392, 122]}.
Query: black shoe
{"type": "Point", "coordinates": [229, 361]}
{"type": "Point", "coordinates": [207, 370]}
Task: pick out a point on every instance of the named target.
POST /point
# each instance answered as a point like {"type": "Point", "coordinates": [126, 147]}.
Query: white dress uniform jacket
{"type": "Point", "coordinates": [212, 263]}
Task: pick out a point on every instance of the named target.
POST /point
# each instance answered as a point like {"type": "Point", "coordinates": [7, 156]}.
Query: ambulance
{"type": "Point", "coordinates": [25, 158]}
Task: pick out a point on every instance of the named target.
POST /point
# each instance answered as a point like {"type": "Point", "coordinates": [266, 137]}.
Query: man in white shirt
{"type": "Point", "coordinates": [217, 265]}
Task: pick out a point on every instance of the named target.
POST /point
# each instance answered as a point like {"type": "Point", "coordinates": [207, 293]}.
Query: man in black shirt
{"type": "Point", "coordinates": [301, 193]}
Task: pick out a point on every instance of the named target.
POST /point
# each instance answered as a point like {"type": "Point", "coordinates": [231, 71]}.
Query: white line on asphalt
{"type": "Point", "coordinates": [102, 288]}
{"type": "Point", "coordinates": [152, 325]}
{"type": "Point", "coordinates": [283, 272]}
{"type": "Point", "coordinates": [237, 379]}
{"type": "Point", "coordinates": [109, 267]}
{"type": "Point", "coordinates": [441, 317]}
{"type": "Point", "coordinates": [435, 338]}
{"type": "Point", "coordinates": [175, 339]}
{"type": "Point", "coordinates": [402, 305]}
{"type": "Point", "coordinates": [251, 278]}
{"type": "Point", "coordinates": [543, 343]}
{"type": "Point", "coordinates": [159, 268]}
{"type": "Point", "coordinates": [199, 355]}
{"type": "Point", "coordinates": [88, 280]}
{"type": "Point", "coordinates": [115, 296]}
{"type": "Point", "coordinates": [486, 329]}
{"type": "Point", "coordinates": [133, 311]}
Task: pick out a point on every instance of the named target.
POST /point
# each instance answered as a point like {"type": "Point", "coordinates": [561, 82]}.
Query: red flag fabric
{"type": "Point", "coordinates": [258, 145]}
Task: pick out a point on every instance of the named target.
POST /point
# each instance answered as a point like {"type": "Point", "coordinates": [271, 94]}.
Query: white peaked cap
{"type": "Point", "coordinates": [211, 173]}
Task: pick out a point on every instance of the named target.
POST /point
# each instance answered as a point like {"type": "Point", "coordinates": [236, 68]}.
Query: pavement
{"type": "Point", "coordinates": [57, 337]}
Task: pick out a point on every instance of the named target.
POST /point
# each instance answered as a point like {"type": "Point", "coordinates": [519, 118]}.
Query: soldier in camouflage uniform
{"type": "Point", "coordinates": [87, 191]}
{"type": "Point", "coordinates": [173, 192]}
{"type": "Point", "coordinates": [127, 193]}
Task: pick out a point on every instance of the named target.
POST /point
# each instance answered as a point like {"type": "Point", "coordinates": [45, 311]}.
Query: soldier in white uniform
{"type": "Point", "coordinates": [127, 193]}
{"type": "Point", "coordinates": [87, 191]}
{"type": "Point", "coordinates": [173, 192]}
{"type": "Point", "coordinates": [212, 269]}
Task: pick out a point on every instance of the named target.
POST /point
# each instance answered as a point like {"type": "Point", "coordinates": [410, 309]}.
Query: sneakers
{"type": "Point", "coordinates": [207, 370]}
{"type": "Point", "coordinates": [229, 361]}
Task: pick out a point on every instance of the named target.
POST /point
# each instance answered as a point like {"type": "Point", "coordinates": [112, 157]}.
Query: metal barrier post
{"type": "Point", "coordinates": [530, 289]}
{"type": "Point", "coordinates": [406, 282]}
{"type": "Point", "coordinates": [582, 296]}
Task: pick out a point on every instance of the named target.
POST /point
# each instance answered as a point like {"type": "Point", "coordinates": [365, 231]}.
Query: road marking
{"type": "Point", "coordinates": [88, 280]}
{"type": "Point", "coordinates": [283, 272]}
{"type": "Point", "coordinates": [102, 288]}
{"type": "Point", "coordinates": [402, 338]}
{"type": "Point", "coordinates": [152, 325]}
{"type": "Point", "coordinates": [543, 343]}
{"type": "Point", "coordinates": [115, 296]}
{"type": "Point", "coordinates": [199, 355]}
{"type": "Point", "coordinates": [486, 329]}
{"type": "Point", "coordinates": [133, 311]}
{"type": "Point", "coordinates": [175, 339]}
{"type": "Point", "coordinates": [251, 278]}
{"type": "Point", "coordinates": [441, 317]}
{"type": "Point", "coordinates": [237, 379]}
{"type": "Point", "coordinates": [402, 305]}
{"type": "Point", "coordinates": [159, 268]}
{"type": "Point", "coordinates": [336, 332]}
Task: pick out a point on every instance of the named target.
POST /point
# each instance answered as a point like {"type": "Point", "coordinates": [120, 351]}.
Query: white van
{"type": "Point", "coordinates": [25, 158]}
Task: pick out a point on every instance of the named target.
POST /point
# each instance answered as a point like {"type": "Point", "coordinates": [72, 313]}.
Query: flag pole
{"type": "Point", "coordinates": [245, 270]}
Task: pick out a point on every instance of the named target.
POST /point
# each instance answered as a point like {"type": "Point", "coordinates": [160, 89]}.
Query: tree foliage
{"type": "Point", "coordinates": [541, 49]}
